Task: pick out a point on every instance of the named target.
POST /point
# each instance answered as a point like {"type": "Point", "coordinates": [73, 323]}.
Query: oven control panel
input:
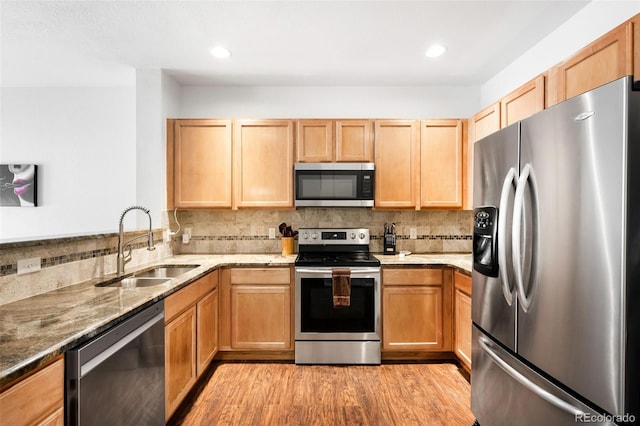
{"type": "Point", "coordinates": [323, 236]}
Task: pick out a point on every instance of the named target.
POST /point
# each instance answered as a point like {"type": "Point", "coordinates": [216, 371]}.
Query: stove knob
{"type": "Point", "coordinates": [305, 236]}
{"type": "Point", "coordinates": [314, 236]}
{"type": "Point", "coordinates": [353, 235]}
{"type": "Point", "coordinates": [362, 235]}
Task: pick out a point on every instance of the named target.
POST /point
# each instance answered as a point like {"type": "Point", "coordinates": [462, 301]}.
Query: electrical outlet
{"type": "Point", "coordinates": [187, 231]}
{"type": "Point", "coordinates": [413, 233]}
{"type": "Point", "coordinates": [186, 238]}
{"type": "Point", "coordinates": [26, 266]}
{"type": "Point", "coordinates": [272, 233]}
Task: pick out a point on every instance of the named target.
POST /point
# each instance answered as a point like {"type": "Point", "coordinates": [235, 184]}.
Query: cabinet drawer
{"type": "Point", "coordinates": [188, 296]}
{"type": "Point", "coordinates": [36, 399]}
{"type": "Point", "coordinates": [462, 282]}
{"type": "Point", "coordinates": [421, 276]}
{"type": "Point", "coordinates": [260, 276]}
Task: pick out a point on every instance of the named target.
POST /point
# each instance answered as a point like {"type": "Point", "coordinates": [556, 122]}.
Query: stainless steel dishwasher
{"type": "Point", "coordinates": [118, 377]}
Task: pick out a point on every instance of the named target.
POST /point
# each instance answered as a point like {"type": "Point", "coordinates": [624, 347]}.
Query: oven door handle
{"type": "Point", "coordinates": [327, 271]}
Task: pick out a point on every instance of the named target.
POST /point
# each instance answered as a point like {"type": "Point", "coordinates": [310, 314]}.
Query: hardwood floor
{"type": "Point", "coordinates": [287, 394]}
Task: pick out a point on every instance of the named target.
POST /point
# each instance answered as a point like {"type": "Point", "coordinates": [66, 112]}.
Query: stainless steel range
{"type": "Point", "coordinates": [327, 332]}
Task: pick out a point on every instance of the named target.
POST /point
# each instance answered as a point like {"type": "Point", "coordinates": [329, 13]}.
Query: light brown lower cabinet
{"type": "Point", "coordinates": [207, 330]}
{"type": "Point", "coordinates": [37, 399]}
{"type": "Point", "coordinates": [255, 307]}
{"type": "Point", "coordinates": [261, 318]}
{"type": "Point", "coordinates": [462, 316]}
{"type": "Point", "coordinates": [191, 335]}
{"type": "Point", "coordinates": [416, 309]}
{"type": "Point", "coordinates": [180, 358]}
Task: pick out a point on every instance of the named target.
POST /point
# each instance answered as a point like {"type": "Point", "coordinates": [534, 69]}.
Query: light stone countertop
{"type": "Point", "coordinates": [35, 330]}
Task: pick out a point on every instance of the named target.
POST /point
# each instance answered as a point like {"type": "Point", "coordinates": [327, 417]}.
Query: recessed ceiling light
{"type": "Point", "coordinates": [220, 52]}
{"type": "Point", "coordinates": [435, 50]}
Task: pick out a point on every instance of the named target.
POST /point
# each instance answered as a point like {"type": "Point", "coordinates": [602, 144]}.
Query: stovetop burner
{"type": "Point", "coordinates": [335, 247]}
{"type": "Point", "coordinates": [337, 259]}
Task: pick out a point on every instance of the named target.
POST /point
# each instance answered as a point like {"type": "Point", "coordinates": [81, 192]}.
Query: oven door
{"type": "Point", "coordinates": [317, 319]}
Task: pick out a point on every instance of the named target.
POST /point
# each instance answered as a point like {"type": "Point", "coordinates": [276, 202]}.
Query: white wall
{"type": "Point", "coordinates": [328, 102]}
{"type": "Point", "coordinates": [156, 99]}
{"type": "Point", "coordinates": [594, 20]}
{"type": "Point", "coordinates": [83, 141]}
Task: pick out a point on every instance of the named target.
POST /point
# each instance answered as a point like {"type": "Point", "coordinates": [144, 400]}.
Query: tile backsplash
{"type": "Point", "coordinates": [247, 231]}
{"type": "Point", "coordinates": [67, 261]}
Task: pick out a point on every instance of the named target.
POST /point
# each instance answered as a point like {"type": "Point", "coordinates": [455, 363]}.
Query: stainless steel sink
{"type": "Point", "coordinates": [135, 282]}
{"type": "Point", "coordinates": [152, 277]}
{"type": "Point", "coordinates": [166, 271]}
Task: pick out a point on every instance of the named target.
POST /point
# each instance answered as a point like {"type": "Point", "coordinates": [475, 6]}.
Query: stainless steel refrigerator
{"type": "Point", "coordinates": [556, 272]}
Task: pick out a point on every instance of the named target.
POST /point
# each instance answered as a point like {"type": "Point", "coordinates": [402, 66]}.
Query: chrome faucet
{"type": "Point", "coordinates": [121, 258]}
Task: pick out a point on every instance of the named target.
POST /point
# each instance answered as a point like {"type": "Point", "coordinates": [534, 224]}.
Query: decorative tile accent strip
{"type": "Point", "coordinates": [47, 262]}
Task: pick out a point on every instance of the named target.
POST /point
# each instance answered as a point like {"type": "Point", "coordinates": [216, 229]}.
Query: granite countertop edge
{"type": "Point", "coordinates": [32, 333]}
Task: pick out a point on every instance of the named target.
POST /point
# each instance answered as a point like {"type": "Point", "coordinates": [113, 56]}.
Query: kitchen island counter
{"type": "Point", "coordinates": [35, 330]}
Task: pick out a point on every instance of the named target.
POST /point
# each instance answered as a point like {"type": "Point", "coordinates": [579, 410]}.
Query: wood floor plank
{"type": "Point", "coordinates": [246, 393]}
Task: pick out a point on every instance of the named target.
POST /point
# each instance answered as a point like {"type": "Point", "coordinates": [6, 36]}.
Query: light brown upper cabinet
{"type": "Point", "coordinates": [263, 163]}
{"type": "Point", "coordinates": [523, 102]}
{"type": "Point", "coordinates": [606, 59]}
{"type": "Point", "coordinates": [199, 163]}
{"type": "Point", "coordinates": [486, 122]}
{"type": "Point", "coordinates": [397, 154]}
{"type": "Point", "coordinates": [441, 163]}
{"type": "Point", "coordinates": [330, 140]}
{"type": "Point", "coordinates": [314, 141]}
{"type": "Point", "coordinates": [353, 141]}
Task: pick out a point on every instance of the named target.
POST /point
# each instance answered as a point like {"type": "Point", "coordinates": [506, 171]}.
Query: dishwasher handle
{"type": "Point", "coordinates": [86, 367]}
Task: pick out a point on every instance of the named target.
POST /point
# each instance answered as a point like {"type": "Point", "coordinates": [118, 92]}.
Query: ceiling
{"type": "Point", "coordinates": [293, 43]}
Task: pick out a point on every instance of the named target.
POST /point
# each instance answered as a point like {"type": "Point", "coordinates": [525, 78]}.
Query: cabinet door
{"type": "Point", "coordinates": [207, 330]}
{"type": "Point", "coordinates": [441, 163]}
{"type": "Point", "coordinates": [201, 163]}
{"type": "Point", "coordinates": [263, 161]}
{"type": "Point", "coordinates": [353, 141]}
{"type": "Point", "coordinates": [180, 358]}
{"type": "Point", "coordinates": [463, 327]}
{"type": "Point", "coordinates": [523, 102]}
{"type": "Point", "coordinates": [606, 59]}
{"type": "Point", "coordinates": [397, 145]}
{"type": "Point", "coordinates": [38, 399]}
{"type": "Point", "coordinates": [412, 318]}
{"type": "Point", "coordinates": [260, 317]}
{"type": "Point", "coordinates": [314, 141]}
{"type": "Point", "coordinates": [486, 122]}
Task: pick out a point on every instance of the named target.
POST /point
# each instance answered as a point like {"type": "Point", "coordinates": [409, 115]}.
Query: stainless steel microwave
{"type": "Point", "coordinates": [334, 184]}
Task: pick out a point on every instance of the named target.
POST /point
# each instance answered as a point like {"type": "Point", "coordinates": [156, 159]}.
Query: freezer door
{"type": "Point", "coordinates": [494, 173]}
{"type": "Point", "coordinates": [504, 391]}
{"type": "Point", "coordinates": [570, 319]}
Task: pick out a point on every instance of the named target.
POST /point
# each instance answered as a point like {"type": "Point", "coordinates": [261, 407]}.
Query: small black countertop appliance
{"type": "Point", "coordinates": [390, 238]}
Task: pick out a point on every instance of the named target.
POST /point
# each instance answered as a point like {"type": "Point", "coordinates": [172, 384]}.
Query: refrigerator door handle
{"type": "Point", "coordinates": [518, 205]}
{"type": "Point", "coordinates": [515, 374]}
{"type": "Point", "coordinates": [508, 183]}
